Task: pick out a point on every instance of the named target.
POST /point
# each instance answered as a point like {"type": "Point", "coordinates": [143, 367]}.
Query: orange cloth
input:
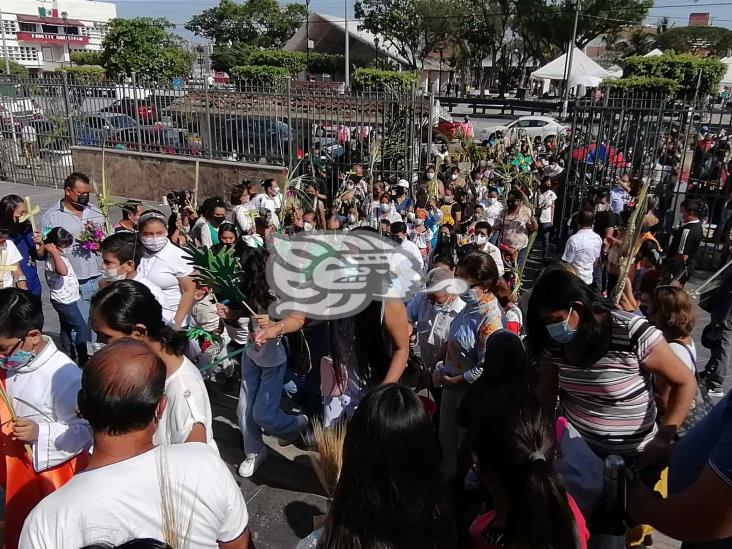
{"type": "Point", "coordinates": [24, 487]}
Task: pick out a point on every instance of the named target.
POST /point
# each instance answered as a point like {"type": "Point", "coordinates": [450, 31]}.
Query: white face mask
{"type": "Point", "coordinates": [455, 176]}
{"type": "Point", "coordinates": [430, 175]}
{"type": "Point", "coordinates": [308, 226]}
{"type": "Point", "coordinates": [385, 207]}
{"type": "Point", "coordinates": [481, 239]}
{"type": "Point", "coordinates": [419, 222]}
{"type": "Point", "coordinates": [491, 201]}
{"type": "Point", "coordinates": [154, 243]}
{"type": "Point", "coordinates": [112, 274]}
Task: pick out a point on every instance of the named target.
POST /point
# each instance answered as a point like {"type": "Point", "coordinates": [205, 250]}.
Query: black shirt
{"type": "Point", "coordinates": [686, 240]}
{"type": "Point", "coordinates": [604, 221]}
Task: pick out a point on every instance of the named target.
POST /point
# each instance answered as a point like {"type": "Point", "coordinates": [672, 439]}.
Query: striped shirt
{"type": "Point", "coordinates": [611, 402]}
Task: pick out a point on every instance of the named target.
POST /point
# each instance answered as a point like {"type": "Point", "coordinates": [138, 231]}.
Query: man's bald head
{"type": "Point", "coordinates": [121, 387]}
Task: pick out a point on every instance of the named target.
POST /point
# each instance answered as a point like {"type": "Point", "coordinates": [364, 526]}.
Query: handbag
{"type": "Point", "coordinates": [702, 403]}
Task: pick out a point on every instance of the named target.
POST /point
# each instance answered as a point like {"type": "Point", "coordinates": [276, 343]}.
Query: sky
{"type": "Point", "coordinates": [180, 11]}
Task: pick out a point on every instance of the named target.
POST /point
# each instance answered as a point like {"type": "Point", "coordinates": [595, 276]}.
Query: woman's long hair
{"type": "Point", "coordinates": [8, 204]}
{"type": "Point", "coordinates": [446, 248]}
{"type": "Point", "coordinates": [515, 446]}
{"type": "Point", "coordinates": [125, 303]}
{"type": "Point", "coordinates": [389, 492]}
{"type": "Point", "coordinates": [557, 290]}
{"type": "Point", "coordinates": [254, 284]}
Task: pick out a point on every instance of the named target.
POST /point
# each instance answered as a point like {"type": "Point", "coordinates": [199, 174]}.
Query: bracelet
{"type": "Point", "coordinates": [282, 329]}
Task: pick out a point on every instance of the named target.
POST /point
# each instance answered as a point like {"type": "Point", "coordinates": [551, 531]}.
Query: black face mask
{"type": "Point", "coordinates": [218, 220]}
{"type": "Point", "coordinates": [511, 204]}
{"type": "Point", "coordinates": [81, 202]}
{"type": "Point", "coordinates": [445, 237]}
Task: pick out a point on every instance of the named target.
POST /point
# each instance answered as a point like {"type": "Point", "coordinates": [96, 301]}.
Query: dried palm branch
{"type": "Point", "coordinates": [13, 416]}
{"type": "Point", "coordinates": [633, 241]}
{"type": "Point", "coordinates": [329, 458]}
{"type": "Point", "coordinates": [176, 526]}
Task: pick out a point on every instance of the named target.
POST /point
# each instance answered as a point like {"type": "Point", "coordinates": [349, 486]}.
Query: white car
{"type": "Point", "coordinates": [530, 126]}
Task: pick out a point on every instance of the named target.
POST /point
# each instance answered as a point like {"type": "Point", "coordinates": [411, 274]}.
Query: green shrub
{"type": "Point", "coordinates": [16, 69]}
{"type": "Point", "coordinates": [261, 76]}
{"type": "Point", "coordinates": [683, 69]}
{"type": "Point", "coordinates": [87, 73]}
{"type": "Point", "coordinates": [224, 58]}
{"type": "Point", "coordinates": [86, 58]}
{"type": "Point", "coordinates": [646, 84]}
{"type": "Point", "coordinates": [377, 79]}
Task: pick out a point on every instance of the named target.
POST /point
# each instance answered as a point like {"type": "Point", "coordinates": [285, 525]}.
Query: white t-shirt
{"type": "Point", "coordinates": [157, 294]}
{"type": "Point", "coordinates": [411, 249]}
{"type": "Point", "coordinates": [188, 404]}
{"type": "Point", "coordinates": [123, 501]}
{"type": "Point", "coordinates": [64, 289]}
{"type": "Point", "coordinates": [9, 256]}
{"type": "Point", "coordinates": [243, 217]}
{"type": "Point", "coordinates": [271, 204]}
{"type": "Point", "coordinates": [582, 250]}
{"type": "Point", "coordinates": [686, 353]}
{"type": "Point", "coordinates": [493, 251]}
{"type": "Point", "coordinates": [546, 201]}
{"type": "Point", "coordinates": [164, 268]}
{"type": "Point", "coordinates": [492, 211]}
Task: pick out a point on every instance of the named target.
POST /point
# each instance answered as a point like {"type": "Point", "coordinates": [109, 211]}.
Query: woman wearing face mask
{"type": "Point", "coordinates": [404, 202]}
{"type": "Point", "coordinates": [421, 235]}
{"type": "Point", "coordinates": [352, 219]}
{"type": "Point", "coordinates": [463, 363]}
{"type": "Point", "coordinates": [446, 243]}
{"type": "Point", "coordinates": [456, 180]}
{"type": "Point", "coordinates": [429, 187]}
{"type": "Point", "coordinates": [166, 265]}
{"type": "Point", "coordinates": [227, 237]}
{"type": "Point", "coordinates": [206, 229]}
{"type": "Point", "coordinates": [387, 211]}
{"type": "Point", "coordinates": [15, 223]}
{"type": "Point", "coordinates": [516, 225]}
{"type": "Point", "coordinates": [599, 362]}
{"type": "Point", "coordinates": [492, 206]}
{"type": "Point", "coordinates": [244, 210]}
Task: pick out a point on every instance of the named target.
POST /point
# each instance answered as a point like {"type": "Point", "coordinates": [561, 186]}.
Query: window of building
{"type": "Point", "coordinates": [50, 29]}
{"type": "Point", "coordinates": [72, 30]}
{"type": "Point", "coordinates": [11, 27]}
{"type": "Point", "coordinates": [28, 27]}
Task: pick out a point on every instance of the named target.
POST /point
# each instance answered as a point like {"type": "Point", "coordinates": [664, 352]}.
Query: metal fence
{"type": "Point", "coordinates": [683, 147]}
{"type": "Point", "coordinates": [40, 119]}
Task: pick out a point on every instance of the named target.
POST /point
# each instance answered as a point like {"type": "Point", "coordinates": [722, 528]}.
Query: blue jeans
{"type": "Point", "coordinates": [545, 231]}
{"type": "Point", "coordinates": [87, 288]}
{"type": "Point", "coordinates": [259, 406]}
{"type": "Point", "coordinates": [71, 321]}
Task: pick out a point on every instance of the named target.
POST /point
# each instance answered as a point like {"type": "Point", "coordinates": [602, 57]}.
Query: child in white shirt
{"type": "Point", "coordinates": [65, 295]}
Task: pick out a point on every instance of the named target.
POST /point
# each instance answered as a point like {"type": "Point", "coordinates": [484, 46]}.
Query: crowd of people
{"type": "Point", "coordinates": [478, 420]}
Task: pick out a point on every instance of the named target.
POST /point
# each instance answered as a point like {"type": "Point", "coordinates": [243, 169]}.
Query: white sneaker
{"type": "Point", "coordinates": [249, 465]}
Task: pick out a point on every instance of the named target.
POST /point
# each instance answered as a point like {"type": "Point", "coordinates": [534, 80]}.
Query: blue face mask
{"type": "Point", "coordinates": [17, 359]}
{"type": "Point", "coordinates": [560, 331]}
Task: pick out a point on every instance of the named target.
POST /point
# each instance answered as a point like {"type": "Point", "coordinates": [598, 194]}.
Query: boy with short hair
{"type": "Point", "coordinates": [46, 444]}
{"type": "Point", "coordinates": [121, 255]}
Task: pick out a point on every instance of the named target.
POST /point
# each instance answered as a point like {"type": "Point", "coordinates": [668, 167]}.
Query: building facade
{"type": "Point", "coordinates": [42, 35]}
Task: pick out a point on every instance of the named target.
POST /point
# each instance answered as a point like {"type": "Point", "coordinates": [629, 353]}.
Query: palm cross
{"type": "Point", "coordinates": [33, 211]}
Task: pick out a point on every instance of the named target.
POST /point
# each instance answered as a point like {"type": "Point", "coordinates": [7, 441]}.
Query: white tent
{"type": "Point", "coordinates": [727, 78]}
{"type": "Point", "coordinates": [615, 71]}
{"type": "Point", "coordinates": [585, 72]}
{"type": "Point", "coordinates": [654, 53]}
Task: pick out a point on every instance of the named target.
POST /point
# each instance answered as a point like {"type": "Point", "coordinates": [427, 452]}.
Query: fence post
{"type": "Point", "coordinates": [208, 118]}
{"type": "Point", "coordinates": [138, 133]}
{"type": "Point", "coordinates": [290, 126]}
{"type": "Point", "coordinates": [429, 127]}
{"type": "Point", "coordinates": [67, 107]}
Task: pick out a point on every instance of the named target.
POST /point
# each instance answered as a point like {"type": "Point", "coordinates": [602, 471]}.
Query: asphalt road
{"type": "Point", "coordinates": [285, 495]}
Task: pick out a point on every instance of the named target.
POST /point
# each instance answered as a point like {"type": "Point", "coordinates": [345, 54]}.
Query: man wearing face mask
{"type": "Point", "coordinates": [131, 212]}
{"type": "Point", "coordinates": [270, 200]}
{"type": "Point", "coordinates": [72, 213]}
{"type": "Point", "coordinates": [399, 235]}
{"type": "Point", "coordinates": [481, 239]}
{"type": "Point", "coordinates": [121, 256]}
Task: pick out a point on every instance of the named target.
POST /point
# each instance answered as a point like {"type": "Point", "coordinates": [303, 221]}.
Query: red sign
{"type": "Point", "coordinates": [50, 38]}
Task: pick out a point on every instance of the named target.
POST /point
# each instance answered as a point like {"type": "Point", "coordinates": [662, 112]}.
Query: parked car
{"type": "Point", "coordinates": [143, 110]}
{"type": "Point", "coordinates": [531, 126]}
{"type": "Point", "coordinates": [448, 130]}
{"type": "Point", "coordinates": [156, 139]}
{"type": "Point", "coordinates": [256, 137]}
{"type": "Point", "coordinates": [93, 129]}
{"type": "Point", "coordinates": [22, 109]}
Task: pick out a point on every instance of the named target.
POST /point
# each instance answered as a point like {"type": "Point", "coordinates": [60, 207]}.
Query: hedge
{"type": "Point", "coordinates": [261, 76]}
{"type": "Point", "coordinates": [367, 78]}
{"type": "Point", "coordinates": [86, 58]}
{"type": "Point", "coordinates": [226, 57]}
{"type": "Point", "coordinates": [646, 84]}
{"type": "Point", "coordinates": [16, 69]}
{"type": "Point", "coordinates": [683, 69]}
{"type": "Point", "coordinates": [87, 73]}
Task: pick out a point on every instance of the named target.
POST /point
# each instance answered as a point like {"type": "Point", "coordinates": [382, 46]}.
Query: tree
{"type": "Point", "coordinates": [637, 42]}
{"type": "Point", "coordinates": [261, 23]}
{"type": "Point", "coordinates": [145, 46]}
{"type": "Point", "coordinates": [413, 28]}
{"type": "Point", "coordinates": [714, 41]}
{"type": "Point", "coordinates": [16, 69]}
{"type": "Point", "coordinates": [684, 69]}
{"type": "Point", "coordinates": [83, 58]}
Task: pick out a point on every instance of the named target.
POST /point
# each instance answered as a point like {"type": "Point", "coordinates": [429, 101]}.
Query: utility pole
{"type": "Point", "coordinates": [348, 49]}
{"type": "Point", "coordinates": [5, 44]}
{"type": "Point", "coordinates": [570, 54]}
{"type": "Point", "coordinates": [307, 39]}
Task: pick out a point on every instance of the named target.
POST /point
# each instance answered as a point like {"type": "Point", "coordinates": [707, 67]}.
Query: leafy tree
{"type": "Point", "coordinates": [715, 41]}
{"type": "Point", "coordinates": [82, 58]}
{"type": "Point", "coordinates": [261, 76]}
{"type": "Point", "coordinates": [684, 69]}
{"type": "Point", "coordinates": [413, 28]}
{"type": "Point", "coordinates": [145, 46]}
{"type": "Point", "coordinates": [16, 69]}
{"type": "Point", "coordinates": [85, 74]}
{"type": "Point", "coordinates": [254, 22]}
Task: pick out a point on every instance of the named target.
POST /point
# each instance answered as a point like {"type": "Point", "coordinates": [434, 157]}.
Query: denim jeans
{"type": "Point", "coordinates": [87, 288]}
{"type": "Point", "coordinates": [545, 230]}
{"type": "Point", "coordinates": [71, 321]}
{"type": "Point", "coordinates": [719, 360]}
{"type": "Point", "coordinates": [259, 406]}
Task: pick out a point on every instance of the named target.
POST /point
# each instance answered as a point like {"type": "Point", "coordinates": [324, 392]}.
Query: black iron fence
{"type": "Point", "coordinates": [41, 119]}
{"type": "Point", "coordinates": [682, 147]}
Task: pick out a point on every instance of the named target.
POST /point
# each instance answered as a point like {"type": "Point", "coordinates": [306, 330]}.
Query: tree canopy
{"type": "Point", "coordinates": [145, 46]}
{"type": "Point", "coordinates": [684, 69]}
{"type": "Point", "coordinates": [715, 41]}
{"type": "Point", "coordinates": [259, 23]}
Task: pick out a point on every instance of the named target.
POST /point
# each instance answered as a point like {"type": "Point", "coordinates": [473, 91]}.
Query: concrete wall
{"type": "Point", "coordinates": [147, 176]}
